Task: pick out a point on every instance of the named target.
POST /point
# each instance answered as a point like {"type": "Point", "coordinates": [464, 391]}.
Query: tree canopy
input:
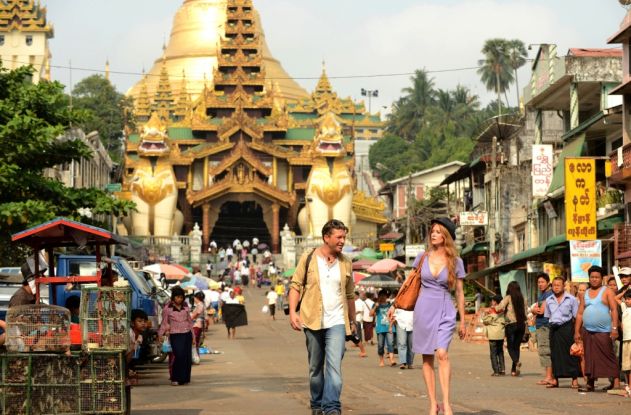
{"type": "Point", "coordinates": [33, 120]}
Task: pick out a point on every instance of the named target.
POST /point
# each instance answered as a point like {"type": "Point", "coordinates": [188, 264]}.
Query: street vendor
{"type": "Point", "coordinates": [26, 294]}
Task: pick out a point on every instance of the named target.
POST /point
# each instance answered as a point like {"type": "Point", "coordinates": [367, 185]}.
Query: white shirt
{"type": "Point", "coordinates": [404, 319]}
{"type": "Point", "coordinates": [626, 322]}
{"type": "Point", "coordinates": [272, 297]}
{"type": "Point", "coordinates": [330, 280]}
{"type": "Point", "coordinates": [213, 296]}
{"type": "Point", "coordinates": [225, 296]}
{"type": "Point", "coordinates": [229, 252]}
{"type": "Point", "coordinates": [234, 300]}
{"type": "Point", "coordinates": [367, 317]}
{"type": "Point", "coordinates": [359, 310]}
{"type": "Point", "coordinates": [271, 270]}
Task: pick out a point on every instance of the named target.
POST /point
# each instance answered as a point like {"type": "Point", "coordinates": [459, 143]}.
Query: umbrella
{"type": "Point", "coordinates": [358, 276]}
{"type": "Point", "coordinates": [363, 263]}
{"type": "Point", "coordinates": [379, 281]}
{"type": "Point", "coordinates": [212, 284]}
{"type": "Point", "coordinates": [262, 246]}
{"type": "Point", "coordinates": [385, 265]}
{"type": "Point", "coordinates": [171, 271]}
{"type": "Point", "coordinates": [246, 244]}
{"type": "Point", "coordinates": [289, 272]}
{"type": "Point", "coordinates": [370, 254]}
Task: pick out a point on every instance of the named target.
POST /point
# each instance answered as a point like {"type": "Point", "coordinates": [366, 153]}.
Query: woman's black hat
{"type": "Point", "coordinates": [448, 224]}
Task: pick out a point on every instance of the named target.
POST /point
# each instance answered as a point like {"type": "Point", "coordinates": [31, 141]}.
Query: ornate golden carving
{"type": "Point", "coordinates": [24, 15]}
{"type": "Point", "coordinates": [368, 208]}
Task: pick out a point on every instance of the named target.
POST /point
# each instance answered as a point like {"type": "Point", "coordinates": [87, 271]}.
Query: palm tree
{"type": "Point", "coordinates": [409, 110]}
{"type": "Point", "coordinates": [517, 55]}
{"type": "Point", "coordinates": [495, 70]}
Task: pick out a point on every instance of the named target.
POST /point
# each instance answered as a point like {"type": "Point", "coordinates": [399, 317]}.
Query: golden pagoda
{"type": "Point", "coordinates": [241, 152]}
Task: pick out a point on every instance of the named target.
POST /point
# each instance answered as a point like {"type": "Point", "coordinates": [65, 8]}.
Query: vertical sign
{"type": "Point", "coordinates": [580, 199]}
{"type": "Point", "coordinates": [584, 254]}
{"type": "Point", "coordinates": [541, 169]}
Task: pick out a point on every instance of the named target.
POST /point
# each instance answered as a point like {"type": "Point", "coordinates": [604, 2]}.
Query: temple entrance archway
{"type": "Point", "coordinates": [240, 220]}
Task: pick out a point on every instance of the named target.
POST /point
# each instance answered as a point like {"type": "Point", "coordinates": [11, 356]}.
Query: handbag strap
{"type": "Point", "coordinates": [420, 264]}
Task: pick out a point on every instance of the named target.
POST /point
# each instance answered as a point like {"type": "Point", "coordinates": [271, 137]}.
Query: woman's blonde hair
{"type": "Point", "coordinates": [450, 249]}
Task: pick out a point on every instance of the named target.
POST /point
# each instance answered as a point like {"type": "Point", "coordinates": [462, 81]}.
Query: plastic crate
{"type": "Point", "coordinates": [38, 328]}
{"type": "Point", "coordinates": [105, 318]}
{"type": "Point", "coordinates": [102, 388]}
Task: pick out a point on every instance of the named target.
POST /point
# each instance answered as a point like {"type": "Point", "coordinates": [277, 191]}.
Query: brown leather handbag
{"type": "Point", "coordinates": [411, 288]}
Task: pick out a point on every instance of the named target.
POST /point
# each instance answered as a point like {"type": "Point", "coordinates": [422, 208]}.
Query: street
{"type": "Point", "coordinates": [264, 371]}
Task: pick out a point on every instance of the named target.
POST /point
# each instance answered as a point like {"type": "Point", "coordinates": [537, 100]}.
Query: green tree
{"type": "Point", "coordinates": [409, 111]}
{"type": "Point", "coordinates": [517, 55]}
{"type": "Point", "coordinates": [33, 118]}
{"type": "Point", "coordinates": [106, 111]}
{"type": "Point", "coordinates": [390, 152]}
{"type": "Point", "coordinates": [495, 70]}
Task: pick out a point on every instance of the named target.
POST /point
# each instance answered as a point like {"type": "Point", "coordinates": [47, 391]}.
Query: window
{"type": "Point", "coordinates": [29, 40]}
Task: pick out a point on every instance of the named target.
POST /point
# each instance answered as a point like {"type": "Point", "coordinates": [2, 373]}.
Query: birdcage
{"type": "Point", "coordinates": [105, 318]}
{"type": "Point", "coordinates": [38, 328]}
{"type": "Point", "coordinates": [102, 388]}
{"type": "Point", "coordinates": [39, 384]}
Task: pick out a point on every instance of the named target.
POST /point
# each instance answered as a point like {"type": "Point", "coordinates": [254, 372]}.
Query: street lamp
{"type": "Point", "coordinates": [408, 199]}
{"type": "Point", "coordinates": [370, 93]}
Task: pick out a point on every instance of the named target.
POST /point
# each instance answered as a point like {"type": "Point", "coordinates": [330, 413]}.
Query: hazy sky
{"type": "Point", "coordinates": [354, 37]}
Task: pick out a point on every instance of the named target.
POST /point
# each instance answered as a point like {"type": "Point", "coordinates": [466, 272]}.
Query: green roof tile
{"type": "Point", "coordinates": [180, 133]}
{"type": "Point", "coordinates": [300, 134]}
{"type": "Point", "coordinates": [133, 138]}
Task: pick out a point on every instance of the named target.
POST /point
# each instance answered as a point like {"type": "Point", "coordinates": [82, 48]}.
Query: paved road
{"type": "Point", "coordinates": [264, 372]}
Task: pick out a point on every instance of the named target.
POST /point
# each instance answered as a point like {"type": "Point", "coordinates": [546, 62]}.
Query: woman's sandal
{"type": "Point", "coordinates": [552, 385]}
{"type": "Point", "coordinates": [586, 388]}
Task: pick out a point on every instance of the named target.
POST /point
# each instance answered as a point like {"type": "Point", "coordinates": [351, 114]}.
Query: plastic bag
{"type": "Point", "coordinates": [265, 309]}
{"type": "Point", "coordinates": [166, 346]}
{"type": "Point", "coordinates": [195, 356]}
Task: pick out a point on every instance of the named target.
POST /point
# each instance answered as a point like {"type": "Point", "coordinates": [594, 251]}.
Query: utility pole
{"type": "Point", "coordinates": [370, 93]}
{"type": "Point", "coordinates": [408, 211]}
{"type": "Point", "coordinates": [492, 203]}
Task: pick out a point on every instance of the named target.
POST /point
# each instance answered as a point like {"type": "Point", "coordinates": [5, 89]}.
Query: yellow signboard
{"type": "Point", "coordinates": [580, 199]}
{"type": "Point", "coordinates": [386, 247]}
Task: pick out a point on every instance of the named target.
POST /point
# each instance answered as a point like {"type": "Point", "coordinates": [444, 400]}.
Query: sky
{"type": "Point", "coordinates": [359, 38]}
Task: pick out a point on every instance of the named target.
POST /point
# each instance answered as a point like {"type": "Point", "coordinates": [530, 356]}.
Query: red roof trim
{"type": "Point", "coordinates": [37, 229]}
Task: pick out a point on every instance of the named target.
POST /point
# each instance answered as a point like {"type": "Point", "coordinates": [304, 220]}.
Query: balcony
{"type": "Point", "coordinates": [621, 174]}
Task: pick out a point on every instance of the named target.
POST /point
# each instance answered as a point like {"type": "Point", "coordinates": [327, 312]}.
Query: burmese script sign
{"type": "Point", "coordinates": [583, 255]}
{"type": "Point", "coordinates": [541, 169]}
{"type": "Point", "coordinates": [474, 218]}
{"type": "Point", "coordinates": [580, 199]}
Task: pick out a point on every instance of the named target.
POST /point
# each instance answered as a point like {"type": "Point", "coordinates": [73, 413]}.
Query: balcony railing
{"type": "Point", "coordinates": [621, 173]}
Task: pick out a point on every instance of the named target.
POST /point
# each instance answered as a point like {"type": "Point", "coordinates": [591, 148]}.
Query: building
{"type": "Point", "coordinates": [24, 34]}
{"type": "Point", "coordinates": [236, 155]}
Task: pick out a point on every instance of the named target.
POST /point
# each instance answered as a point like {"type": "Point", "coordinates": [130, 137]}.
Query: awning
{"type": "Point", "coordinates": [607, 224]}
{"type": "Point", "coordinates": [476, 247]}
{"type": "Point", "coordinates": [584, 126]}
{"type": "Point", "coordinates": [573, 149]}
{"type": "Point", "coordinates": [556, 242]}
{"type": "Point", "coordinates": [528, 253]}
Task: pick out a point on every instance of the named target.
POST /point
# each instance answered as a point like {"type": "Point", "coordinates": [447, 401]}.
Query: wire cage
{"type": "Point", "coordinates": [105, 318]}
{"type": "Point", "coordinates": [102, 388]}
{"type": "Point", "coordinates": [39, 384]}
{"type": "Point", "coordinates": [38, 328]}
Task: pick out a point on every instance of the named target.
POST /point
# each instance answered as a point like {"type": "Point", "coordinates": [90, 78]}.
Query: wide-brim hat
{"type": "Point", "coordinates": [624, 271]}
{"type": "Point", "coordinates": [448, 224]}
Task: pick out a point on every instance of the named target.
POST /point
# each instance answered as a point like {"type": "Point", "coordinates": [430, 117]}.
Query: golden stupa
{"type": "Point", "coordinates": [192, 52]}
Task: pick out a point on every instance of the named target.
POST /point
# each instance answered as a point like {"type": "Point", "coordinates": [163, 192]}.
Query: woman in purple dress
{"type": "Point", "coordinates": [434, 314]}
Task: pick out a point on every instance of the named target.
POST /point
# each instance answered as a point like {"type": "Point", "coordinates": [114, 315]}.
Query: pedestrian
{"type": "Point", "coordinates": [494, 323]}
{"type": "Point", "coordinates": [404, 334]}
{"type": "Point", "coordinates": [513, 304]}
{"type": "Point", "coordinates": [369, 321]}
{"type": "Point", "coordinates": [478, 299]}
{"type": "Point", "coordinates": [596, 328]}
{"type": "Point", "coordinates": [24, 295]}
{"type": "Point", "coordinates": [138, 321]}
{"type": "Point", "coordinates": [561, 309]}
{"type": "Point", "coordinates": [209, 269]}
{"type": "Point", "coordinates": [626, 338]}
{"type": "Point", "coordinates": [542, 328]}
{"type": "Point", "coordinates": [198, 315]}
{"type": "Point", "coordinates": [384, 328]}
{"type": "Point", "coordinates": [280, 290]}
{"type": "Point", "coordinates": [327, 314]}
{"type": "Point", "coordinates": [229, 254]}
{"type": "Point", "coordinates": [441, 271]}
{"type": "Point", "coordinates": [234, 314]}
{"type": "Point", "coordinates": [177, 325]}
{"type": "Point", "coordinates": [222, 254]}
{"type": "Point", "coordinates": [359, 318]}
{"type": "Point", "coordinates": [272, 297]}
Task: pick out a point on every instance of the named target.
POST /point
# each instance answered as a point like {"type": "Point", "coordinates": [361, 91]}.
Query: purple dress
{"type": "Point", "coordinates": [434, 312]}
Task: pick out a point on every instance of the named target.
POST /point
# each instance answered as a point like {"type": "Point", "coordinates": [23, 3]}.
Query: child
{"type": "Point", "coordinates": [625, 317]}
{"type": "Point", "coordinates": [384, 328]}
{"type": "Point", "coordinates": [138, 325]}
{"type": "Point", "coordinates": [494, 329]}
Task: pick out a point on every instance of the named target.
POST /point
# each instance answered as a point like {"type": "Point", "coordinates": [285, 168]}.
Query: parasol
{"type": "Point", "coordinates": [262, 246]}
{"type": "Point", "coordinates": [171, 271]}
{"type": "Point", "coordinates": [358, 276]}
{"type": "Point", "coordinates": [385, 265]}
{"type": "Point", "coordinates": [362, 264]}
{"type": "Point", "coordinates": [370, 254]}
{"type": "Point", "coordinates": [379, 281]}
{"type": "Point", "coordinates": [289, 272]}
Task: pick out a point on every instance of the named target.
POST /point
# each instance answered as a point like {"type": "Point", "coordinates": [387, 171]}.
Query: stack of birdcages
{"type": "Point", "coordinates": [38, 328]}
{"type": "Point", "coordinates": [103, 383]}
{"type": "Point", "coordinates": [105, 318]}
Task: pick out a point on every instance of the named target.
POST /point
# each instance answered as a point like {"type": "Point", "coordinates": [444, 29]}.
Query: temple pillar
{"type": "Point", "coordinates": [275, 228]}
{"type": "Point", "coordinates": [205, 225]}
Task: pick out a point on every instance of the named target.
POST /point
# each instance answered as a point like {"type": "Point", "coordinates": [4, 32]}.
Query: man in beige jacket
{"type": "Point", "coordinates": [324, 281]}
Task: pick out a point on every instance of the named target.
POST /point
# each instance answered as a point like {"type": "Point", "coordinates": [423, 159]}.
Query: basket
{"type": "Point", "coordinates": [105, 318]}
{"type": "Point", "coordinates": [102, 388]}
{"type": "Point", "coordinates": [38, 328]}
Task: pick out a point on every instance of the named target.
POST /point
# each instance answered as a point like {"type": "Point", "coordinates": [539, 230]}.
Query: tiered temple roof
{"type": "Point", "coordinates": [25, 16]}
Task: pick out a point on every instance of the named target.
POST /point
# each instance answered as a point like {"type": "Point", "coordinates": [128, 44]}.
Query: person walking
{"type": "Point", "coordinates": [561, 309]}
{"type": "Point", "coordinates": [513, 304]}
{"type": "Point", "coordinates": [272, 298]}
{"type": "Point", "coordinates": [596, 328]}
{"type": "Point", "coordinates": [368, 324]}
{"type": "Point", "coordinates": [198, 315]}
{"type": "Point", "coordinates": [441, 271]}
{"type": "Point", "coordinates": [327, 314]}
{"type": "Point", "coordinates": [625, 318]}
{"type": "Point", "coordinates": [359, 319]}
{"type": "Point", "coordinates": [403, 320]}
{"type": "Point", "coordinates": [494, 329]}
{"type": "Point", "coordinates": [177, 325]}
{"type": "Point", "coordinates": [384, 327]}
{"type": "Point", "coordinates": [542, 328]}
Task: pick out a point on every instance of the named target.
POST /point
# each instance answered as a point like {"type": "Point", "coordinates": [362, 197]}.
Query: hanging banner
{"type": "Point", "coordinates": [580, 199]}
{"type": "Point", "coordinates": [542, 169]}
{"type": "Point", "coordinates": [584, 254]}
{"type": "Point", "coordinates": [474, 218]}
{"type": "Point", "coordinates": [553, 270]}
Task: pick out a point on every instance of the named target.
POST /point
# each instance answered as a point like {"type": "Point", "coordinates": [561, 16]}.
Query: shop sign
{"type": "Point", "coordinates": [553, 270]}
{"type": "Point", "coordinates": [388, 247]}
{"type": "Point", "coordinates": [542, 169]}
{"type": "Point", "coordinates": [412, 251]}
{"type": "Point", "coordinates": [474, 218]}
{"type": "Point", "coordinates": [580, 199]}
{"type": "Point", "coordinates": [583, 255]}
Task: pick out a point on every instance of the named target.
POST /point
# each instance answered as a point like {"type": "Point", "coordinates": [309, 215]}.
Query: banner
{"type": "Point", "coordinates": [542, 169]}
{"type": "Point", "coordinates": [474, 218]}
{"type": "Point", "coordinates": [584, 254]}
{"type": "Point", "coordinates": [553, 270]}
{"type": "Point", "coordinates": [580, 199]}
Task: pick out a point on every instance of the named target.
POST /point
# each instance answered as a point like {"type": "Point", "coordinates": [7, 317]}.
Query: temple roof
{"type": "Point", "coordinates": [25, 16]}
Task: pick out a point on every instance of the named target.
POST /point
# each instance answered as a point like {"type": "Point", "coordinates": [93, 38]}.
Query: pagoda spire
{"type": "Point", "coordinates": [183, 104]}
{"type": "Point", "coordinates": [142, 107]}
{"type": "Point", "coordinates": [163, 101]}
{"type": "Point", "coordinates": [324, 85]}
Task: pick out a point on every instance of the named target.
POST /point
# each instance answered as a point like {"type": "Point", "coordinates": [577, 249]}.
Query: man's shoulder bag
{"type": "Point", "coordinates": [411, 288]}
{"type": "Point", "coordinates": [304, 283]}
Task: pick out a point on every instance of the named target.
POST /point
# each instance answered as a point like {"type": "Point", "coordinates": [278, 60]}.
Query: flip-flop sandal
{"type": "Point", "coordinates": [543, 382]}
{"type": "Point", "coordinates": [585, 389]}
{"type": "Point", "coordinates": [393, 364]}
{"type": "Point", "coordinates": [575, 386]}
{"type": "Point", "coordinates": [552, 385]}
